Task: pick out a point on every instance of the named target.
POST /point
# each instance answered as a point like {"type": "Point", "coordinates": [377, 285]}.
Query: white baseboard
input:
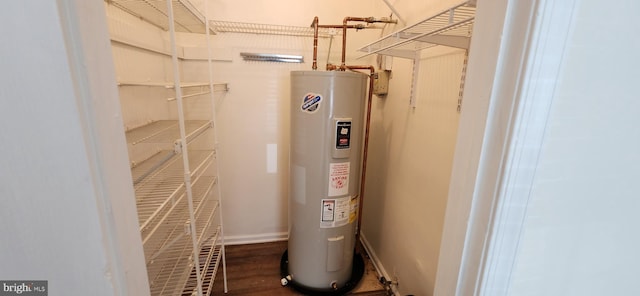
{"type": "Point", "coordinates": [255, 238]}
{"type": "Point", "coordinates": [376, 262]}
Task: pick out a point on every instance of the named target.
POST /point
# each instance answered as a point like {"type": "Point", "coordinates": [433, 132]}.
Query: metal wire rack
{"type": "Point", "coordinates": [176, 217]}
{"type": "Point", "coordinates": [142, 169]}
{"type": "Point", "coordinates": [187, 18]}
{"type": "Point", "coordinates": [267, 29]}
{"type": "Point", "coordinates": [204, 221]}
{"type": "Point", "coordinates": [169, 273]}
{"type": "Point", "coordinates": [166, 131]}
{"type": "Point", "coordinates": [166, 232]}
{"type": "Point", "coordinates": [451, 27]}
{"type": "Point", "coordinates": [209, 262]}
{"type": "Point", "coordinates": [162, 188]}
{"type": "Point", "coordinates": [161, 238]}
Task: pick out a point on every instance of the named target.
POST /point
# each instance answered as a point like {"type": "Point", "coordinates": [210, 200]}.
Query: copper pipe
{"type": "Point", "coordinates": [344, 42]}
{"type": "Point", "coordinates": [344, 34]}
{"type": "Point", "coordinates": [361, 67]}
{"type": "Point", "coordinates": [315, 43]}
{"type": "Point", "coordinates": [366, 144]}
{"type": "Point", "coordinates": [358, 26]}
{"type": "Point", "coordinates": [365, 149]}
{"type": "Point", "coordinates": [344, 27]}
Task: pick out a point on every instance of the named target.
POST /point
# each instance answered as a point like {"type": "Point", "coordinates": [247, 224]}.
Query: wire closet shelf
{"type": "Point", "coordinates": [187, 18]}
{"type": "Point", "coordinates": [451, 27]}
{"type": "Point", "coordinates": [175, 184]}
{"type": "Point", "coordinates": [166, 131]}
{"type": "Point", "coordinates": [267, 29]}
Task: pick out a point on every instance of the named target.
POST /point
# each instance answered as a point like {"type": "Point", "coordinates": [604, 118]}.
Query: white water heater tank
{"type": "Point", "coordinates": [327, 110]}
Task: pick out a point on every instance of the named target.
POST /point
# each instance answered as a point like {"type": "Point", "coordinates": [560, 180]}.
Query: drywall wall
{"type": "Point", "coordinates": [68, 214]}
{"type": "Point", "coordinates": [410, 161]}
{"type": "Point", "coordinates": [410, 157]}
{"type": "Point", "coordinates": [579, 236]}
{"type": "Point", "coordinates": [253, 126]}
{"type": "Point", "coordinates": [286, 12]}
{"type": "Point", "coordinates": [301, 14]}
{"type": "Point", "coordinates": [140, 105]}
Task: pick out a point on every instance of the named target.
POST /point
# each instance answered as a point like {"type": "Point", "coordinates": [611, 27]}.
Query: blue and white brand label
{"type": "Point", "coordinates": [311, 103]}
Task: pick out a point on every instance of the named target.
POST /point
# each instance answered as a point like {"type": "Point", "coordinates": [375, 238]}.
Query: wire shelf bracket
{"type": "Point", "coordinates": [451, 27]}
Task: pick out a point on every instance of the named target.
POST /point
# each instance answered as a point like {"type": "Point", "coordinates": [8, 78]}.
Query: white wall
{"type": "Point", "coordinates": [253, 118]}
{"type": "Point", "coordinates": [286, 12]}
{"type": "Point", "coordinates": [68, 214]}
{"type": "Point", "coordinates": [579, 236]}
{"type": "Point", "coordinates": [410, 157]}
{"type": "Point", "coordinates": [410, 161]}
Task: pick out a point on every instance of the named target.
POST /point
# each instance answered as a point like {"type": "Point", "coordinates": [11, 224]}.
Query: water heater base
{"type": "Point", "coordinates": [356, 275]}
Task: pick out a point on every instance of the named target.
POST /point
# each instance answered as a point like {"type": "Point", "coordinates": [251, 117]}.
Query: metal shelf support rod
{"type": "Point", "coordinates": [215, 141]}
{"type": "Point", "coordinates": [183, 136]}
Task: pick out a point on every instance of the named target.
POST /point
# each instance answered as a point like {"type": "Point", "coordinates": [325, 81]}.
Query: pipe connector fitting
{"type": "Point", "coordinates": [385, 19]}
{"type": "Point", "coordinates": [334, 285]}
{"type": "Point", "coordinates": [285, 280]}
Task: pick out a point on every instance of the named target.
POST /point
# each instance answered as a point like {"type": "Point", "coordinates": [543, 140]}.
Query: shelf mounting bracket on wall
{"type": "Point", "coordinates": [451, 27]}
{"type": "Point", "coordinates": [414, 80]}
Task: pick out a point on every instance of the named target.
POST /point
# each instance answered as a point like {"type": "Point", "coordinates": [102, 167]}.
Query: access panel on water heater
{"type": "Point", "coordinates": [342, 138]}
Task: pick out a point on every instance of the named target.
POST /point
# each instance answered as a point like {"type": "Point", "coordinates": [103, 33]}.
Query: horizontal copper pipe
{"type": "Point", "coordinates": [356, 19]}
{"type": "Point", "coordinates": [358, 26]}
{"type": "Point", "coordinates": [344, 27]}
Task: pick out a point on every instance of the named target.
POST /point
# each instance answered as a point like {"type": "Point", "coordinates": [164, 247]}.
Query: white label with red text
{"type": "Point", "coordinates": [339, 178]}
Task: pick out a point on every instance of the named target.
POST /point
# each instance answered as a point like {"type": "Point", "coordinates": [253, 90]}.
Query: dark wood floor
{"type": "Point", "coordinates": [255, 270]}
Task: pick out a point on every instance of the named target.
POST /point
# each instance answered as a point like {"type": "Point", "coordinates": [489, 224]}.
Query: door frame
{"type": "Point", "coordinates": [517, 52]}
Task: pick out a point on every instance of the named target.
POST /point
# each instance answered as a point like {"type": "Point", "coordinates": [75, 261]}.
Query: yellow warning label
{"type": "Point", "coordinates": [353, 212]}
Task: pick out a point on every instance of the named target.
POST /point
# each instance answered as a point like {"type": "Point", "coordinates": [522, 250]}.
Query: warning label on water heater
{"type": "Point", "coordinates": [335, 212]}
{"type": "Point", "coordinates": [339, 178]}
{"type": "Point", "coordinates": [353, 214]}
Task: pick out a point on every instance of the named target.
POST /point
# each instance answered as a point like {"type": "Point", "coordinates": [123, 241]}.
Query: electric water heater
{"type": "Point", "coordinates": [327, 110]}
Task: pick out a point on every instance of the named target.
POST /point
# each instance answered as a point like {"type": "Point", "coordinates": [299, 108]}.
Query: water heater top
{"type": "Point", "coordinates": [327, 73]}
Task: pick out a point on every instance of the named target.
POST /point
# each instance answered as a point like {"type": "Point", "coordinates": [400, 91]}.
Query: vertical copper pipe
{"type": "Point", "coordinates": [344, 42]}
{"type": "Point", "coordinates": [366, 144]}
{"type": "Point", "coordinates": [315, 43]}
{"type": "Point", "coordinates": [344, 27]}
{"type": "Point", "coordinates": [344, 35]}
